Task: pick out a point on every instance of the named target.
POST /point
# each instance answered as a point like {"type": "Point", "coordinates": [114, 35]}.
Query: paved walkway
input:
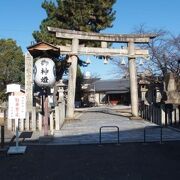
{"type": "Point", "coordinates": [85, 129]}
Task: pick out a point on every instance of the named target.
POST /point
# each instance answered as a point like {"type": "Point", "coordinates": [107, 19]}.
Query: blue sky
{"type": "Point", "coordinates": [19, 18]}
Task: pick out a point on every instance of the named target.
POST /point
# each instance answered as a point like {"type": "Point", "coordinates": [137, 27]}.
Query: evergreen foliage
{"type": "Point", "coordinates": [11, 65]}
{"type": "Point", "coordinates": [80, 15]}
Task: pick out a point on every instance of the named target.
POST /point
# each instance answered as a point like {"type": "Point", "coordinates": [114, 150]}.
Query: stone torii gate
{"type": "Point", "coordinates": [75, 49]}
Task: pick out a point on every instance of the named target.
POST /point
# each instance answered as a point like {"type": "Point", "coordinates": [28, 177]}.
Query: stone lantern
{"type": "Point", "coordinates": [61, 86]}
{"type": "Point", "coordinates": [60, 108]}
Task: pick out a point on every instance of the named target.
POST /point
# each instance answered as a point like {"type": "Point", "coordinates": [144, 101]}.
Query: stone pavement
{"type": "Point", "coordinates": [85, 129]}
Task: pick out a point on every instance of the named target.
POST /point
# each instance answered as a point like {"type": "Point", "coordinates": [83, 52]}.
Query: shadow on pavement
{"type": "Point", "coordinates": [130, 161]}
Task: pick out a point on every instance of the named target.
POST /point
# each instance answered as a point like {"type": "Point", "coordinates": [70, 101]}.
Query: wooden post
{"type": "Point", "coordinates": [45, 114]}
{"type": "Point", "coordinates": [72, 80]}
{"type": "Point", "coordinates": [39, 121]}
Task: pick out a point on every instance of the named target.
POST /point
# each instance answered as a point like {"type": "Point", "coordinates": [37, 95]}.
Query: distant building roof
{"type": "Point", "coordinates": [111, 85]}
{"type": "Point", "coordinates": [117, 92]}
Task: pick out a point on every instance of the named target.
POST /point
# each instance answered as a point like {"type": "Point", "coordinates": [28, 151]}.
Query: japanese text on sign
{"type": "Point", "coordinates": [16, 107]}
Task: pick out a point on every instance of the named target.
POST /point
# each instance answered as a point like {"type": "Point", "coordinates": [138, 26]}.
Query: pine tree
{"type": "Point", "coordinates": [80, 15]}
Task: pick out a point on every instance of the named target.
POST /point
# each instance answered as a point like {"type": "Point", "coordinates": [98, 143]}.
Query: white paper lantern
{"type": "Point", "coordinates": [44, 72]}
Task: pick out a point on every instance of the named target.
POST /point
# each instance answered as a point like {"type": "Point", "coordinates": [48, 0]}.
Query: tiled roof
{"type": "Point", "coordinates": [111, 85]}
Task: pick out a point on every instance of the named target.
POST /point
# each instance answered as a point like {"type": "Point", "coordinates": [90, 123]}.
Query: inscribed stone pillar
{"type": "Point", "coordinates": [29, 81]}
{"type": "Point", "coordinates": [28, 87]}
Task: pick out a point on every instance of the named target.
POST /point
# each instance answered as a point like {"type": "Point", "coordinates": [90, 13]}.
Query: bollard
{"type": "Point", "coordinates": [100, 142]}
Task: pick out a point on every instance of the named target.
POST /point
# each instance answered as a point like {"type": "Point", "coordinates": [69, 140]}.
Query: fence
{"type": "Point", "coordinates": [34, 120]}
{"type": "Point", "coordinates": [161, 114]}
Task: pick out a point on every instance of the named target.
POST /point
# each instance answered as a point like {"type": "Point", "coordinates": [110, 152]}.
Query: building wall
{"type": "Point", "coordinates": [101, 98]}
{"type": "Point", "coordinates": [97, 99]}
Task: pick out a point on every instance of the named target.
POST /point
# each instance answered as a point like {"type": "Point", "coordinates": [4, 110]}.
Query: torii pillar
{"type": "Point", "coordinates": [72, 79]}
{"type": "Point", "coordinates": [133, 79]}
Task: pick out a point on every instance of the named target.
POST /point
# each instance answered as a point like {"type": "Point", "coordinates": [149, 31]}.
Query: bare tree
{"type": "Point", "coordinates": [121, 67]}
{"type": "Point", "coordinates": [164, 52]}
